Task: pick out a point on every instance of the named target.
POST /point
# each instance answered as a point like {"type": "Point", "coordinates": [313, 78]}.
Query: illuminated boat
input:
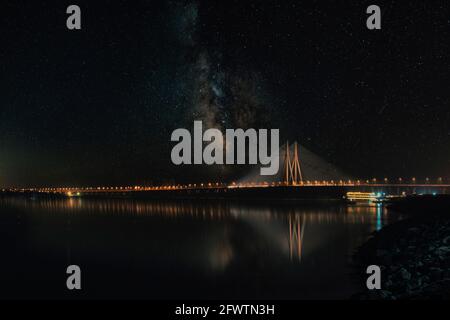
{"type": "Point", "coordinates": [364, 197]}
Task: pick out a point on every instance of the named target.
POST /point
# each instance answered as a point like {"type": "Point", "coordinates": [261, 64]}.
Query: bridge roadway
{"type": "Point", "coordinates": [312, 190]}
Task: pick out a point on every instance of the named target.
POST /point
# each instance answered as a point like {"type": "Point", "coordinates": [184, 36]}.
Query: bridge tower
{"type": "Point", "coordinates": [293, 172]}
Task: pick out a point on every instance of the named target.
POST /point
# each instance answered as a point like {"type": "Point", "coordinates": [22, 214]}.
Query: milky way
{"type": "Point", "coordinates": [221, 96]}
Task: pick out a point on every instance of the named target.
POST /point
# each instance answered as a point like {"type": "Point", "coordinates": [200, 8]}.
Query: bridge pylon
{"type": "Point", "coordinates": [293, 172]}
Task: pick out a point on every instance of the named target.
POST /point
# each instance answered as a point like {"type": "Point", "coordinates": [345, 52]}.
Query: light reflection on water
{"type": "Point", "coordinates": [228, 249]}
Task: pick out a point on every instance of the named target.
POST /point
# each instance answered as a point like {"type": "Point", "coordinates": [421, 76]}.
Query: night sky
{"type": "Point", "coordinates": [97, 106]}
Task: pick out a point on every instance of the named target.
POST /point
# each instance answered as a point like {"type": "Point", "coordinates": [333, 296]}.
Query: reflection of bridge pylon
{"type": "Point", "coordinates": [293, 172]}
{"type": "Point", "coordinates": [296, 232]}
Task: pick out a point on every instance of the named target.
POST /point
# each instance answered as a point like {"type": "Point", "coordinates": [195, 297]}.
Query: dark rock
{"type": "Point", "coordinates": [446, 240]}
{"type": "Point", "coordinates": [385, 294]}
{"type": "Point", "coordinates": [405, 275]}
{"type": "Point", "coordinates": [394, 268]}
{"type": "Point", "coordinates": [388, 284]}
{"type": "Point", "coordinates": [417, 283]}
{"type": "Point", "coordinates": [415, 259]}
{"type": "Point", "coordinates": [436, 274]}
{"type": "Point", "coordinates": [443, 251]}
{"type": "Point", "coordinates": [376, 295]}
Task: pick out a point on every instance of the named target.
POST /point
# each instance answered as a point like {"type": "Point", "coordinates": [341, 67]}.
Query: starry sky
{"type": "Point", "coordinates": [97, 106]}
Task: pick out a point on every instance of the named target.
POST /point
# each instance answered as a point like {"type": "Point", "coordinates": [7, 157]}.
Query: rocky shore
{"type": "Point", "coordinates": [414, 257]}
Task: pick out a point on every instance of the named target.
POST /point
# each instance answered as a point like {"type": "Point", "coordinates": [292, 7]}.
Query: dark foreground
{"type": "Point", "coordinates": [414, 254]}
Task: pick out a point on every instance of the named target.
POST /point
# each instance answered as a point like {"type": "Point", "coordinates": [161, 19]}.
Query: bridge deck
{"type": "Point", "coordinates": [218, 186]}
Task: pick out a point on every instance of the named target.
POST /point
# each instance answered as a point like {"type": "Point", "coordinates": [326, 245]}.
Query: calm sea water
{"type": "Point", "coordinates": [181, 249]}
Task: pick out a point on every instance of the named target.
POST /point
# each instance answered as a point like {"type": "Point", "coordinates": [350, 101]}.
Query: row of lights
{"type": "Point", "coordinates": [217, 184]}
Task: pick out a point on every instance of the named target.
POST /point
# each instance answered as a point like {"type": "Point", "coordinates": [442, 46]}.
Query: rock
{"type": "Point", "coordinates": [416, 261]}
{"type": "Point", "coordinates": [405, 275]}
{"type": "Point", "coordinates": [376, 295]}
{"type": "Point", "coordinates": [446, 240]}
{"type": "Point", "coordinates": [436, 274]}
{"type": "Point", "coordinates": [394, 268]}
{"type": "Point", "coordinates": [385, 294]}
{"type": "Point", "coordinates": [415, 284]}
{"type": "Point", "coordinates": [442, 251]}
{"type": "Point", "coordinates": [388, 284]}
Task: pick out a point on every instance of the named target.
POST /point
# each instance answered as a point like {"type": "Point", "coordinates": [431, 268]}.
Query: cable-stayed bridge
{"type": "Point", "coordinates": [302, 174]}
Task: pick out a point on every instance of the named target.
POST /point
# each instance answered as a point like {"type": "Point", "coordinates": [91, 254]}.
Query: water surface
{"type": "Point", "coordinates": [181, 249]}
